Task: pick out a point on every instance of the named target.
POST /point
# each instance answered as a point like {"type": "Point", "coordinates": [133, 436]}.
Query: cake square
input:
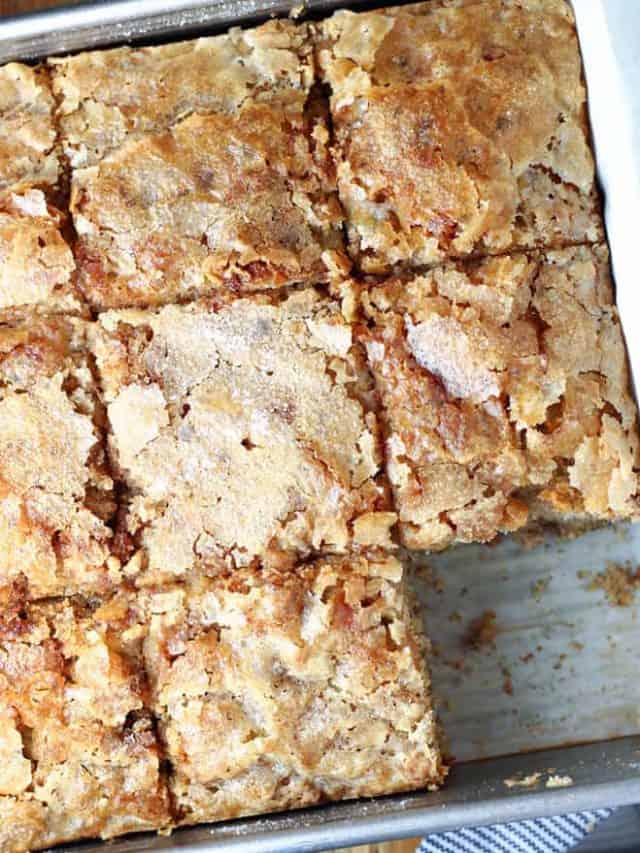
{"type": "Point", "coordinates": [244, 432]}
{"type": "Point", "coordinates": [281, 690]}
{"type": "Point", "coordinates": [36, 263]}
{"type": "Point", "coordinates": [505, 394]}
{"type": "Point", "coordinates": [28, 155]}
{"type": "Point", "coordinates": [79, 755]}
{"type": "Point", "coordinates": [461, 129]}
{"type": "Point", "coordinates": [198, 167]}
{"type": "Point", "coordinates": [56, 496]}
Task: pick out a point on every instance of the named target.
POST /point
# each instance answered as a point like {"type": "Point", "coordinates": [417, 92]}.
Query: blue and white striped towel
{"type": "Point", "coordinates": [542, 835]}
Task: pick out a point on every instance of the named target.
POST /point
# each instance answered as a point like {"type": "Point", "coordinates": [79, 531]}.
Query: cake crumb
{"type": "Point", "coordinates": [455, 616]}
{"type": "Point", "coordinates": [429, 575]}
{"type": "Point", "coordinates": [619, 584]}
{"type": "Point", "coordinates": [539, 587]}
{"type": "Point", "coordinates": [576, 645]}
{"type": "Point", "coordinates": [507, 683]}
{"type": "Point", "coordinates": [583, 574]}
{"type": "Point", "coordinates": [525, 782]}
{"type": "Point", "coordinates": [559, 781]}
{"type": "Point", "coordinates": [482, 631]}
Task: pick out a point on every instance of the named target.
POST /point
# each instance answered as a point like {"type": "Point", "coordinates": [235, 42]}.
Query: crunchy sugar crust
{"type": "Point", "coordinates": [79, 754]}
{"type": "Point", "coordinates": [316, 677]}
{"type": "Point", "coordinates": [198, 167]}
{"type": "Point", "coordinates": [506, 395]}
{"type": "Point", "coordinates": [461, 128]}
{"type": "Point", "coordinates": [55, 492]}
{"type": "Point", "coordinates": [243, 432]}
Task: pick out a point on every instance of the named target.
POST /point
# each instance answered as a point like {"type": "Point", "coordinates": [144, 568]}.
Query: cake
{"type": "Point", "coordinates": [274, 303]}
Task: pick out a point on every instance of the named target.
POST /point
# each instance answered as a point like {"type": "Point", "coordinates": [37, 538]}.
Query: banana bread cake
{"type": "Point", "coordinates": [461, 128]}
{"type": "Point", "coordinates": [198, 166]}
{"type": "Point", "coordinates": [56, 494]}
{"type": "Point", "coordinates": [505, 395]}
{"type": "Point", "coordinates": [78, 747]}
{"type": "Point", "coordinates": [279, 690]}
{"type": "Point", "coordinates": [219, 418]}
{"type": "Point", "coordinates": [244, 433]}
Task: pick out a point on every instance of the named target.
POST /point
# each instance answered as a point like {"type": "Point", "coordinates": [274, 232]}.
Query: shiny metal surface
{"type": "Point", "coordinates": [62, 30]}
{"type": "Point", "coordinates": [604, 773]}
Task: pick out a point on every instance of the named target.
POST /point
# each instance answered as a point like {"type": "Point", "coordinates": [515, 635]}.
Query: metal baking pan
{"type": "Point", "coordinates": [561, 670]}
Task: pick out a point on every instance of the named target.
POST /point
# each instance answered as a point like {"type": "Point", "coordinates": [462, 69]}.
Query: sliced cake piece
{"type": "Point", "coordinates": [461, 128]}
{"type": "Point", "coordinates": [244, 433]}
{"type": "Point", "coordinates": [55, 492]}
{"type": "Point", "coordinates": [28, 156]}
{"type": "Point", "coordinates": [276, 691]}
{"type": "Point", "coordinates": [36, 263]}
{"type": "Point", "coordinates": [198, 166]}
{"type": "Point", "coordinates": [505, 394]}
{"type": "Point", "coordinates": [79, 755]}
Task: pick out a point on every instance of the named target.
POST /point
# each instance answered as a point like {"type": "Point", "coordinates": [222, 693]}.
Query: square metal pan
{"type": "Point", "coordinates": [604, 773]}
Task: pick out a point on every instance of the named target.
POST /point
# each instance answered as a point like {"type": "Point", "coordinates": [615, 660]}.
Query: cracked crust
{"type": "Point", "coordinates": [243, 432]}
{"type": "Point", "coordinates": [28, 157]}
{"type": "Point", "coordinates": [79, 755]}
{"type": "Point", "coordinates": [109, 96]}
{"type": "Point", "coordinates": [36, 264]}
{"type": "Point", "coordinates": [506, 396]}
{"type": "Point", "coordinates": [461, 128]}
{"type": "Point", "coordinates": [55, 493]}
{"type": "Point", "coordinates": [278, 691]}
{"type": "Point", "coordinates": [198, 167]}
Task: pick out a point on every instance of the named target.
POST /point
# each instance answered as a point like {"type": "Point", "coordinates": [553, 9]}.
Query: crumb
{"type": "Point", "coordinates": [429, 575]}
{"type": "Point", "coordinates": [436, 651]}
{"type": "Point", "coordinates": [297, 11]}
{"type": "Point", "coordinates": [576, 645]}
{"type": "Point", "coordinates": [559, 782]}
{"type": "Point", "coordinates": [525, 782]}
{"type": "Point", "coordinates": [482, 631]}
{"type": "Point", "coordinates": [560, 661]}
{"type": "Point", "coordinates": [507, 683]}
{"type": "Point", "coordinates": [539, 587]}
{"type": "Point", "coordinates": [528, 657]}
{"type": "Point", "coordinates": [455, 616]}
{"type": "Point", "coordinates": [583, 574]}
{"type": "Point", "coordinates": [619, 584]}
{"type": "Point", "coordinates": [456, 663]}
{"type": "Point", "coordinates": [530, 537]}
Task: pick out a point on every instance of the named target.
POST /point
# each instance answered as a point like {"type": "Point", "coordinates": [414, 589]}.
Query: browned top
{"type": "Point", "coordinates": [500, 379]}
{"type": "Point", "coordinates": [55, 494]}
{"type": "Point", "coordinates": [78, 750]}
{"type": "Point", "coordinates": [461, 128]}
{"type": "Point", "coordinates": [217, 202]}
{"type": "Point", "coordinates": [243, 432]}
{"type": "Point", "coordinates": [278, 690]}
{"type": "Point", "coordinates": [108, 96]}
{"type": "Point", "coordinates": [27, 134]}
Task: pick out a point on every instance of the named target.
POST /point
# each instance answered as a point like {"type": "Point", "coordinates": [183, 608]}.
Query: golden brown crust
{"type": "Point", "coordinates": [36, 264]}
{"type": "Point", "coordinates": [198, 166]}
{"type": "Point", "coordinates": [218, 202]}
{"type": "Point", "coordinates": [460, 128]}
{"type": "Point", "coordinates": [505, 391]}
{"type": "Point", "coordinates": [242, 431]}
{"type": "Point", "coordinates": [278, 691]}
{"type": "Point", "coordinates": [108, 96]}
{"type": "Point", "coordinates": [55, 492]}
{"type": "Point", "coordinates": [79, 756]}
{"type": "Point", "coordinates": [28, 157]}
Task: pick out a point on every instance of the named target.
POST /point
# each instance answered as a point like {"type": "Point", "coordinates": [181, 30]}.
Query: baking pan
{"type": "Point", "coordinates": [559, 666]}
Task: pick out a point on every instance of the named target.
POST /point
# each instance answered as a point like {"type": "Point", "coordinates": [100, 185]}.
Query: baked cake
{"type": "Point", "coordinates": [460, 128]}
{"type": "Point", "coordinates": [273, 303]}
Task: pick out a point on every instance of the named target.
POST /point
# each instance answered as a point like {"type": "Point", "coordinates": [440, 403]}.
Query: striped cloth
{"type": "Point", "coordinates": [542, 835]}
